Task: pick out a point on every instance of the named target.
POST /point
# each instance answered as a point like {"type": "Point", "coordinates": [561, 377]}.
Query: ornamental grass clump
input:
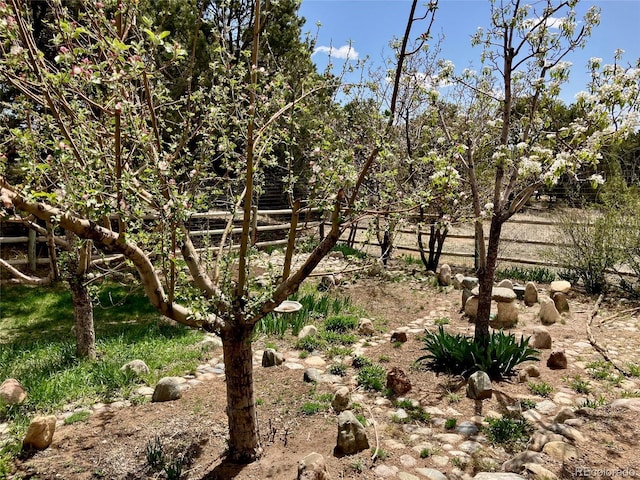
{"type": "Point", "coordinates": [460, 355]}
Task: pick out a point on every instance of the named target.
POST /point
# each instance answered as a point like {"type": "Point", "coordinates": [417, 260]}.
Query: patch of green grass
{"type": "Point", "coordinates": [527, 404]}
{"type": "Point", "coordinates": [410, 260]}
{"type": "Point", "coordinates": [348, 251]}
{"type": "Point", "coordinates": [594, 402]}
{"type": "Point", "coordinates": [384, 359]}
{"type": "Point", "coordinates": [310, 343]}
{"type": "Point", "coordinates": [450, 423]}
{"type": "Point", "coordinates": [372, 377]}
{"type": "Point", "coordinates": [311, 408]}
{"type": "Point", "coordinates": [579, 385]}
{"type": "Point", "coordinates": [510, 433]}
{"type": "Point", "coordinates": [339, 369]}
{"type": "Point", "coordinates": [627, 394]}
{"type": "Point", "coordinates": [397, 344]}
{"type": "Point", "coordinates": [634, 369]}
{"type": "Point", "coordinates": [80, 416]}
{"type": "Point", "coordinates": [360, 361]}
{"type": "Point", "coordinates": [533, 274]}
{"type": "Point", "coordinates": [441, 321]}
{"type": "Point", "coordinates": [341, 323]}
{"type": "Point", "coordinates": [426, 452]}
{"type": "Point", "coordinates": [540, 388]}
{"type": "Point", "coordinates": [38, 349]}
{"type": "Point", "coordinates": [382, 454]}
{"type": "Point", "coordinates": [338, 351]}
{"type": "Point", "coordinates": [414, 411]}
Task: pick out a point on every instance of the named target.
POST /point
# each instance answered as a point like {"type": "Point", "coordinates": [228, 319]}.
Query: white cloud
{"type": "Point", "coordinates": [346, 52]}
{"type": "Point", "coordinates": [551, 22]}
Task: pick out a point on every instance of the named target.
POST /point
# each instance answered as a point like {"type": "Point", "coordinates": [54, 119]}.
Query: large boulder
{"type": "Point", "coordinates": [530, 294]}
{"type": "Point", "coordinates": [137, 367]}
{"type": "Point", "coordinates": [40, 433]}
{"type": "Point", "coordinates": [557, 360]}
{"type": "Point", "coordinates": [541, 338]}
{"type": "Point", "coordinates": [398, 381]}
{"type": "Point", "coordinates": [365, 327]}
{"type": "Point", "coordinates": [561, 286]}
{"type": "Point", "coordinates": [352, 437]}
{"type": "Point", "coordinates": [507, 316]}
{"type": "Point", "coordinates": [341, 399]}
{"type": "Point", "coordinates": [479, 386]}
{"type": "Point", "coordinates": [313, 467]}
{"type": "Point", "coordinates": [271, 358]}
{"type": "Point", "coordinates": [308, 330]}
{"type": "Point", "coordinates": [444, 275]}
{"type": "Point", "coordinates": [168, 389]}
{"type": "Point", "coordinates": [561, 302]}
{"type": "Point", "coordinates": [548, 312]}
{"type": "Point", "coordinates": [12, 392]}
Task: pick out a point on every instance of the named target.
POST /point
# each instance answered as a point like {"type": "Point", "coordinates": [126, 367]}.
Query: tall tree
{"type": "Point", "coordinates": [109, 137]}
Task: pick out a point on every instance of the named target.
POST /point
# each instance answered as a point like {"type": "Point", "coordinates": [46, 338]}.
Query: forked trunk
{"type": "Point", "coordinates": [486, 275]}
{"type": "Point", "coordinates": [244, 442]}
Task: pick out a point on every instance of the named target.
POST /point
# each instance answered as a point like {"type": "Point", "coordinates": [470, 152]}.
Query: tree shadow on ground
{"type": "Point", "coordinates": [223, 471]}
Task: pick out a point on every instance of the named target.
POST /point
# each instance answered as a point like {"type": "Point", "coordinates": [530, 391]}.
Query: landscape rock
{"type": "Point", "coordinates": [271, 358]}
{"type": "Point", "coordinates": [567, 431]}
{"type": "Point", "coordinates": [560, 451]}
{"type": "Point", "coordinates": [561, 286]}
{"type": "Point", "coordinates": [352, 437]}
{"type": "Point", "coordinates": [532, 371]}
{"type": "Point", "coordinates": [40, 433]}
{"type": "Point", "coordinates": [444, 275]}
{"type": "Point", "coordinates": [530, 294]}
{"type": "Point", "coordinates": [479, 386]}
{"type": "Point", "coordinates": [516, 464]}
{"type": "Point", "coordinates": [507, 316]}
{"type": "Point", "coordinates": [12, 392]}
{"type": "Point", "coordinates": [565, 414]}
{"type": "Point", "coordinates": [498, 476]}
{"type": "Point", "coordinates": [341, 399]}
{"type": "Point", "coordinates": [211, 342]}
{"type": "Point", "coordinates": [540, 438]}
{"type": "Point", "coordinates": [561, 302]}
{"type": "Point", "coordinates": [365, 327]}
{"type": "Point", "coordinates": [548, 312]}
{"type": "Point", "coordinates": [431, 474]}
{"type": "Point", "coordinates": [469, 283]}
{"type": "Point", "coordinates": [522, 376]}
{"type": "Point", "coordinates": [557, 360]}
{"type": "Point", "coordinates": [456, 281]}
{"type": "Point", "coordinates": [168, 389]}
{"type": "Point", "coordinates": [498, 294]}
{"type": "Point", "coordinates": [308, 330]}
{"type": "Point", "coordinates": [627, 403]}
{"type": "Point", "coordinates": [398, 381]}
{"type": "Point", "coordinates": [399, 337]}
{"type": "Point", "coordinates": [541, 338]}
{"type": "Point", "coordinates": [313, 467]}
{"type": "Point", "coordinates": [471, 307]}
{"type": "Point", "coordinates": [539, 472]}
{"type": "Point", "coordinates": [136, 366]}
{"type": "Point", "coordinates": [506, 283]}
{"type": "Point", "coordinates": [311, 375]}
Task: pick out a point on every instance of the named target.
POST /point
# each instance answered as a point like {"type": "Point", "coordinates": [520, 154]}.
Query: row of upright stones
{"type": "Point", "coordinates": [506, 295]}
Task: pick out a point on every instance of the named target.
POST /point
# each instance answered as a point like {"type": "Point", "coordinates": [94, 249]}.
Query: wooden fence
{"type": "Point", "coordinates": [523, 233]}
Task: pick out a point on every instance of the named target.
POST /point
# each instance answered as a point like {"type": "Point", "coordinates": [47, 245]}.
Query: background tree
{"type": "Point", "coordinates": [511, 144]}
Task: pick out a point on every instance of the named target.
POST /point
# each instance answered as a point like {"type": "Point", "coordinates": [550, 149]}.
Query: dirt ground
{"type": "Point", "coordinates": [112, 444]}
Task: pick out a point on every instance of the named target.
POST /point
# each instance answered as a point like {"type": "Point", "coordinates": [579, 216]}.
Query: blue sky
{"type": "Point", "coordinates": [370, 24]}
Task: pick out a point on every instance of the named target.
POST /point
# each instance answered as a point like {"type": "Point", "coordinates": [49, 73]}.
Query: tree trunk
{"type": "Point", "coordinates": [244, 442]}
{"type": "Point", "coordinates": [81, 300]}
{"type": "Point", "coordinates": [486, 275]}
{"type": "Point", "coordinates": [83, 317]}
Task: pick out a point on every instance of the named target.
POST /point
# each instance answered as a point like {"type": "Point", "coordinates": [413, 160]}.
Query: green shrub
{"type": "Point", "coordinates": [579, 385]}
{"type": "Point", "coordinates": [334, 338]}
{"type": "Point", "coordinates": [527, 404]}
{"type": "Point", "coordinates": [372, 377]}
{"type": "Point", "coordinates": [310, 343]}
{"type": "Point", "coordinates": [591, 248]}
{"type": "Point", "coordinates": [450, 423]}
{"type": "Point", "coordinates": [337, 369]}
{"type": "Point", "coordinates": [510, 433]}
{"type": "Point", "coordinates": [541, 388]}
{"type": "Point", "coordinates": [360, 361]}
{"type": "Point", "coordinates": [458, 354]}
{"type": "Point", "coordinates": [340, 323]}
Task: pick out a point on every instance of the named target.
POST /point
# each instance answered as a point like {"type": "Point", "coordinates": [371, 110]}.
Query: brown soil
{"type": "Point", "coordinates": [111, 445]}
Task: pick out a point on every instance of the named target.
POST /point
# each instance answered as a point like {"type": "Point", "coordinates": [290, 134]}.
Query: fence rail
{"type": "Point", "coordinates": [459, 244]}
